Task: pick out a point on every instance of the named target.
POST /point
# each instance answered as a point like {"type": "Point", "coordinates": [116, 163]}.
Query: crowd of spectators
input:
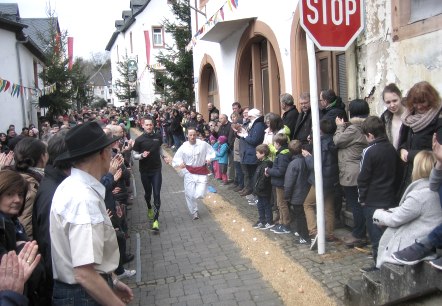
{"type": "Point", "coordinates": [382, 165]}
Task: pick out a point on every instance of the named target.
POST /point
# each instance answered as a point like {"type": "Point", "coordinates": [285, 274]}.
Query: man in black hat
{"type": "Point", "coordinates": [83, 241]}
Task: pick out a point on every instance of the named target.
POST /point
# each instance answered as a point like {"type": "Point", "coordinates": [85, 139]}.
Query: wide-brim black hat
{"type": "Point", "coordinates": [83, 140]}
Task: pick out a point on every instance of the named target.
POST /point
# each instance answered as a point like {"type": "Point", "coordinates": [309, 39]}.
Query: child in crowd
{"type": "Point", "coordinates": [222, 156]}
{"type": "Point", "coordinates": [330, 178]}
{"type": "Point", "coordinates": [214, 164]}
{"type": "Point", "coordinates": [206, 136]}
{"type": "Point", "coordinates": [277, 174]}
{"type": "Point", "coordinates": [296, 187]}
{"type": "Point", "coordinates": [263, 189]}
{"type": "Point", "coordinates": [376, 182]}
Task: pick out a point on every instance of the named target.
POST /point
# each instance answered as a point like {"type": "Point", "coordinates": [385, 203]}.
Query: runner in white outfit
{"type": "Point", "coordinates": [191, 159]}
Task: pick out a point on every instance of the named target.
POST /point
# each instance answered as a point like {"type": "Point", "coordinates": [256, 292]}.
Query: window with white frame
{"type": "Point", "coordinates": [158, 36]}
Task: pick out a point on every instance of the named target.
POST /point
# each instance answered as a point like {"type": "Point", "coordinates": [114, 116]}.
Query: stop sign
{"type": "Point", "coordinates": [332, 24]}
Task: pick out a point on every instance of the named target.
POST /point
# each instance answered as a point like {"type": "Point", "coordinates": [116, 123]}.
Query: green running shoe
{"type": "Point", "coordinates": [155, 226]}
{"type": "Point", "coordinates": [150, 213]}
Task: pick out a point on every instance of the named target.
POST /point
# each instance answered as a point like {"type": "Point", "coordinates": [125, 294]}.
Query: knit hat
{"type": "Point", "coordinates": [212, 138]}
{"type": "Point", "coordinates": [222, 139]}
{"type": "Point", "coordinates": [255, 113]}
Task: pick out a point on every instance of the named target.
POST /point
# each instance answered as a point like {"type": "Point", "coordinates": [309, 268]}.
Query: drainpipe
{"type": "Point", "coordinates": [20, 76]}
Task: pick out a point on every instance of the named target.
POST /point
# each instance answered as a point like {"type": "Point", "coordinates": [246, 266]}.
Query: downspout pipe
{"type": "Point", "coordinates": [20, 76]}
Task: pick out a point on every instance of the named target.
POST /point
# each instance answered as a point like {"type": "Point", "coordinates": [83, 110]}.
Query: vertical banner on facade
{"type": "Point", "coordinates": [70, 51]}
{"type": "Point", "coordinates": [147, 41]}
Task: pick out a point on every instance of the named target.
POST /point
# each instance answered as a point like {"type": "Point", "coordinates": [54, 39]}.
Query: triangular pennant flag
{"type": "Point", "coordinates": [229, 4]}
{"type": "Point", "coordinates": [221, 11]}
{"type": "Point", "coordinates": [7, 85]}
{"type": "Point", "coordinates": [233, 3]}
{"type": "Point", "coordinates": [236, 3]}
{"type": "Point", "coordinates": [2, 84]}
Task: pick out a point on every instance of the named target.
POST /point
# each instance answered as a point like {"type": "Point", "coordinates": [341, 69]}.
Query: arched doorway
{"type": "Point", "coordinates": [208, 86]}
{"type": "Point", "coordinates": [259, 76]}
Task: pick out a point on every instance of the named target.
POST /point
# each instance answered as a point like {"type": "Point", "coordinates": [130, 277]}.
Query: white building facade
{"type": "Point", "coordinates": [140, 36]}
{"type": "Point", "coordinates": [20, 64]}
{"type": "Point", "coordinates": [251, 51]}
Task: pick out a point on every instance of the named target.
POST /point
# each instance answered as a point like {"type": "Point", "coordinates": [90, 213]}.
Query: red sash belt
{"type": "Point", "coordinates": [202, 170]}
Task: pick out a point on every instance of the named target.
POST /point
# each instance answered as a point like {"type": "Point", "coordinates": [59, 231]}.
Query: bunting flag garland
{"type": "Point", "coordinates": [233, 4]}
{"type": "Point", "coordinates": [15, 90]}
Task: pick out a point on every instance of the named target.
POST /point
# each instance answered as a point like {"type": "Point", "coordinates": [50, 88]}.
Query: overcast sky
{"type": "Point", "coordinates": [90, 22]}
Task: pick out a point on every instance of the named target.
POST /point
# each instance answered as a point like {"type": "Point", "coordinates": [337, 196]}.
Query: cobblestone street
{"type": "Point", "coordinates": [195, 263]}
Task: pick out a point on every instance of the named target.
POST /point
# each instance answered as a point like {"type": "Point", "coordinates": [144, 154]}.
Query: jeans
{"type": "Point", "coordinates": [374, 231]}
{"type": "Point", "coordinates": [264, 210]}
{"type": "Point", "coordinates": [73, 295]}
{"type": "Point", "coordinates": [177, 141]}
{"type": "Point", "coordinates": [351, 195]}
{"type": "Point", "coordinates": [435, 237]}
{"type": "Point", "coordinates": [239, 176]}
{"type": "Point", "coordinates": [300, 222]}
{"type": "Point", "coordinates": [152, 180]}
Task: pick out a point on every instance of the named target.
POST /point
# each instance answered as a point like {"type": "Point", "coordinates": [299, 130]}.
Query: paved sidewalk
{"type": "Point", "coordinates": [189, 262]}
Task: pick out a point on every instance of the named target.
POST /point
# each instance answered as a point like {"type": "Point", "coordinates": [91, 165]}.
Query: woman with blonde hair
{"type": "Point", "coordinates": [415, 217]}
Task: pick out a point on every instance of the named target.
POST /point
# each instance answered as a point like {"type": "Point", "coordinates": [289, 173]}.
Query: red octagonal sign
{"type": "Point", "coordinates": [332, 24]}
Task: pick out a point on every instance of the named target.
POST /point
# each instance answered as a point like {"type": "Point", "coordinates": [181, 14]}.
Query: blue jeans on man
{"type": "Point", "coordinates": [264, 210]}
{"type": "Point", "coordinates": [152, 181]}
{"type": "Point", "coordinates": [374, 231]}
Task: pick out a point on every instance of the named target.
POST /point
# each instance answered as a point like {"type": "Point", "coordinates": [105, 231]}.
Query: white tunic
{"type": "Point", "coordinates": [194, 184]}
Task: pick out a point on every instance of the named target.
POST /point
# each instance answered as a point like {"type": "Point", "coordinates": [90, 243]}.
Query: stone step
{"type": "Point", "coordinates": [393, 284]}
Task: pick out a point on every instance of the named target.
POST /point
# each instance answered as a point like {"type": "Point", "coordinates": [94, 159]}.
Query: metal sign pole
{"type": "Point", "coordinates": [320, 221]}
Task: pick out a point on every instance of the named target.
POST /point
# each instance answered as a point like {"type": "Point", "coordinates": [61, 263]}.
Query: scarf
{"type": "Point", "coordinates": [417, 122]}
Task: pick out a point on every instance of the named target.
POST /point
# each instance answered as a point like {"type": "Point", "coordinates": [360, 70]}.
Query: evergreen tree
{"type": "Point", "coordinates": [70, 83]}
{"type": "Point", "coordinates": [176, 81]}
{"type": "Point", "coordinates": [126, 88]}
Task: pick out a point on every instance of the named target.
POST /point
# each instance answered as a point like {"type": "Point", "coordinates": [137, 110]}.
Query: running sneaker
{"type": "Point", "coordinates": [126, 274]}
{"type": "Point", "coordinates": [301, 241]}
{"type": "Point", "coordinates": [195, 216]}
{"type": "Point", "coordinates": [259, 225]}
{"type": "Point", "coordinates": [314, 243]}
{"type": "Point", "coordinates": [155, 226]}
{"type": "Point", "coordinates": [276, 227]}
{"type": "Point", "coordinates": [412, 254]}
{"type": "Point", "coordinates": [269, 225]}
{"type": "Point", "coordinates": [282, 229]}
{"type": "Point", "coordinates": [150, 213]}
{"type": "Point", "coordinates": [437, 263]}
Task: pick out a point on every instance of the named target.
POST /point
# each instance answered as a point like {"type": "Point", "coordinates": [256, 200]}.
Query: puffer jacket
{"type": "Point", "coordinates": [350, 141]}
{"type": "Point", "coordinates": [248, 144]}
{"type": "Point", "coordinates": [280, 164]}
{"type": "Point", "coordinates": [296, 185]}
{"type": "Point", "coordinates": [330, 168]}
{"type": "Point", "coordinates": [261, 185]}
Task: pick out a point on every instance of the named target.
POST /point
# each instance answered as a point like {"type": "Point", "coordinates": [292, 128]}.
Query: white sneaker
{"type": "Point", "coordinates": [127, 274]}
{"type": "Point", "coordinates": [195, 216]}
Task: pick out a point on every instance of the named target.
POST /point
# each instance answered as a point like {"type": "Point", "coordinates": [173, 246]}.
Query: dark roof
{"type": "Point", "coordinates": [137, 7]}
{"type": "Point", "coordinates": [10, 11]}
{"type": "Point", "coordinates": [39, 28]}
{"type": "Point", "coordinates": [21, 33]}
{"type": "Point", "coordinates": [102, 78]}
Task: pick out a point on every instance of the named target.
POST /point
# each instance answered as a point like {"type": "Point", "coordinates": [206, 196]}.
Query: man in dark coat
{"type": "Point", "coordinates": [290, 115]}
{"type": "Point", "coordinates": [226, 130]}
{"type": "Point", "coordinates": [212, 109]}
{"type": "Point", "coordinates": [54, 175]}
{"type": "Point", "coordinates": [332, 107]}
{"type": "Point", "coordinates": [303, 128]}
{"type": "Point", "coordinates": [249, 142]}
